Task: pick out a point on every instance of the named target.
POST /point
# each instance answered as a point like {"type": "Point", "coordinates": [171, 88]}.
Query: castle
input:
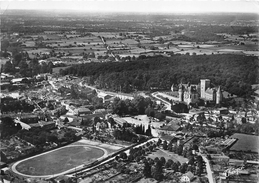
{"type": "Point", "coordinates": [190, 93]}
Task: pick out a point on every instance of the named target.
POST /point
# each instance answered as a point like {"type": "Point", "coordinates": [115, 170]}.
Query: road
{"type": "Point", "coordinates": [52, 84]}
{"type": "Point", "coordinates": [127, 152]}
{"type": "Point", "coordinates": [208, 168]}
{"type": "Point", "coordinates": [167, 104]}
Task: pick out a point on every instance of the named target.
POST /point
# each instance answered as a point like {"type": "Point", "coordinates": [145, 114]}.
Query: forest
{"type": "Point", "coordinates": [234, 73]}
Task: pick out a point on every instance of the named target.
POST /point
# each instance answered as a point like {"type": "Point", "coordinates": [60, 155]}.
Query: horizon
{"type": "Point", "coordinates": [136, 6]}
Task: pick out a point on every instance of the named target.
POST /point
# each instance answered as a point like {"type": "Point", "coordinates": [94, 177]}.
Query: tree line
{"type": "Point", "coordinates": [235, 73]}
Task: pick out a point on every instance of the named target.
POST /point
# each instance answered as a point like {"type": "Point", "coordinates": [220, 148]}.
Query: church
{"type": "Point", "coordinates": [191, 93]}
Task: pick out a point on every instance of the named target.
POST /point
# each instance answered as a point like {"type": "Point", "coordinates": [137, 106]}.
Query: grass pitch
{"type": "Point", "coordinates": [59, 161]}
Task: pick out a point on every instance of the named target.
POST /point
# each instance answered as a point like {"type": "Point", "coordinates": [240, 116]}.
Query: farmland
{"type": "Point", "coordinates": [129, 44]}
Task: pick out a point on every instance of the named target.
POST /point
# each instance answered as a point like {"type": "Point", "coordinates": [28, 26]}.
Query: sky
{"type": "Point", "coordinates": [149, 6]}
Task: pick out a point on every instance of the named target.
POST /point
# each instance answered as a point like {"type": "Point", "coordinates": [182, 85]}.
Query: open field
{"type": "Point", "coordinates": [245, 143]}
{"type": "Point", "coordinates": [76, 44]}
{"type": "Point", "coordinates": [167, 155]}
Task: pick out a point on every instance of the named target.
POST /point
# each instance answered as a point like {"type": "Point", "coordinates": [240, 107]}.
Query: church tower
{"type": "Point", "coordinates": [218, 96]}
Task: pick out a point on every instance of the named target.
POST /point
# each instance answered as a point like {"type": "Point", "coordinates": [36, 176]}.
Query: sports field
{"type": "Point", "coordinates": [245, 143]}
{"type": "Point", "coordinates": [58, 161]}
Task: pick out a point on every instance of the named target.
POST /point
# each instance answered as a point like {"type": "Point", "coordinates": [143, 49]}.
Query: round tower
{"type": "Point", "coordinates": [218, 96]}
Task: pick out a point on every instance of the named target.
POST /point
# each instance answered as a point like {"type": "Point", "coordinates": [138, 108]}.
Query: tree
{"type": "Point", "coordinates": [119, 106]}
{"type": "Point", "coordinates": [8, 67]}
{"type": "Point", "coordinates": [162, 160]}
{"type": "Point", "coordinates": [159, 142]}
{"type": "Point", "coordinates": [150, 112]}
{"type": "Point", "coordinates": [123, 155]}
{"type": "Point", "coordinates": [169, 163]}
{"type": "Point", "coordinates": [158, 171]}
{"type": "Point", "coordinates": [191, 160]}
{"type": "Point", "coordinates": [150, 148]}
{"type": "Point", "coordinates": [179, 150]}
{"type": "Point", "coordinates": [156, 159]}
{"type": "Point", "coordinates": [160, 116]}
{"type": "Point", "coordinates": [147, 170]}
{"type": "Point", "coordinates": [66, 120]}
{"type": "Point", "coordinates": [183, 168]}
{"type": "Point", "coordinates": [23, 68]}
{"type": "Point", "coordinates": [17, 58]}
{"type": "Point", "coordinates": [175, 167]}
{"type": "Point", "coordinates": [148, 131]}
{"type": "Point", "coordinates": [117, 158]}
{"type": "Point", "coordinates": [50, 67]}
{"type": "Point", "coordinates": [130, 157]}
{"type": "Point", "coordinates": [165, 145]}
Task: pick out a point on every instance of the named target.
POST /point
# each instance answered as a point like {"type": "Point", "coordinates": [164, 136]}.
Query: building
{"type": "Point", "coordinates": [210, 94]}
{"type": "Point", "coordinates": [169, 129]}
{"type": "Point", "coordinates": [82, 111]}
{"type": "Point", "coordinates": [191, 93]}
{"type": "Point", "coordinates": [187, 177]}
{"type": "Point", "coordinates": [188, 93]}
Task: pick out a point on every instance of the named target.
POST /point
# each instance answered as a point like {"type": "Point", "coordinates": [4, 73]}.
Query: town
{"type": "Point", "coordinates": [112, 100]}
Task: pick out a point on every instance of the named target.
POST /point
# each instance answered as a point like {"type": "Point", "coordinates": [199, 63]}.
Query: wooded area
{"type": "Point", "coordinates": [235, 73]}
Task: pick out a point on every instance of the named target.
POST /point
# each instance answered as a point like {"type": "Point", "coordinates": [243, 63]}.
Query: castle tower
{"type": "Point", "coordinates": [181, 92]}
{"type": "Point", "coordinates": [218, 96]}
{"type": "Point", "coordinates": [205, 83]}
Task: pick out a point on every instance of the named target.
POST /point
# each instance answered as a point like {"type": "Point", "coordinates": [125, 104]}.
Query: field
{"type": "Point", "coordinates": [132, 44]}
{"type": "Point", "coordinates": [59, 161]}
{"type": "Point", "coordinates": [167, 155]}
{"type": "Point", "coordinates": [64, 159]}
{"type": "Point", "coordinates": [245, 143]}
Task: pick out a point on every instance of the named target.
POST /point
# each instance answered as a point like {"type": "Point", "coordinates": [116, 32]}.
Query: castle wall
{"type": "Point", "coordinates": [209, 96]}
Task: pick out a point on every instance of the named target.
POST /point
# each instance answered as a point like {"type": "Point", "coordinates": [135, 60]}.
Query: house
{"type": "Point", "coordinates": [169, 129]}
{"type": "Point", "coordinates": [44, 125]}
{"type": "Point", "coordinates": [6, 77]}
{"type": "Point", "coordinates": [20, 80]}
{"type": "Point", "coordinates": [101, 126]}
{"type": "Point", "coordinates": [187, 177]}
{"type": "Point", "coordinates": [222, 110]}
{"type": "Point", "coordinates": [120, 121]}
{"type": "Point", "coordinates": [62, 179]}
{"type": "Point", "coordinates": [82, 111]}
{"type": "Point", "coordinates": [124, 96]}
{"type": "Point", "coordinates": [99, 111]}
{"type": "Point", "coordinates": [29, 118]}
